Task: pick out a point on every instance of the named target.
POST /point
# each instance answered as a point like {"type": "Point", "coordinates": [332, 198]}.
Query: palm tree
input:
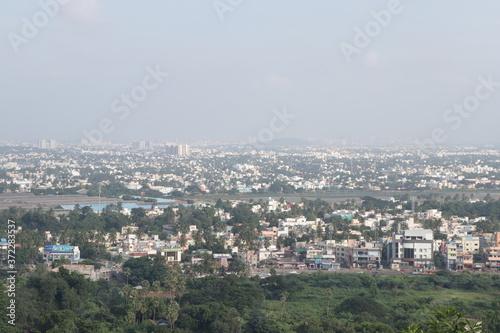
{"type": "Point", "coordinates": [284, 297]}
{"type": "Point", "coordinates": [127, 271]}
{"type": "Point", "coordinates": [172, 313]}
{"type": "Point", "coordinates": [127, 292]}
{"type": "Point", "coordinates": [112, 237]}
{"type": "Point", "coordinates": [198, 239]}
{"type": "Point", "coordinates": [267, 243]}
{"type": "Point", "coordinates": [238, 324]}
{"type": "Point", "coordinates": [156, 286]}
{"type": "Point", "coordinates": [130, 318]}
{"type": "Point", "coordinates": [155, 301]}
{"type": "Point", "coordinates": [145, 288]}
{"type": "Point", "coordinates": [328, 293]}
{"type": "Point", "coordinates": [136, 306]}
{"type": "Point", "coordinates": [143, 308]}
{"type": "Point", "coordinates": [183, 240]}
{"type": "Point", "coordinates": [175, 281]}
{"type": "Point", "coordinates": [280, 241]}
{"type": "Point", "coordinates": [236, 321]}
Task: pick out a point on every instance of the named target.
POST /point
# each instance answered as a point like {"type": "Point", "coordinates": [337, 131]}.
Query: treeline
{"type": "Point", "coordinates": [319, 302]}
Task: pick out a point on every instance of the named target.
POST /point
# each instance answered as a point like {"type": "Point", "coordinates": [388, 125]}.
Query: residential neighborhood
{"type": "Point", "coordinates": [155, 227]}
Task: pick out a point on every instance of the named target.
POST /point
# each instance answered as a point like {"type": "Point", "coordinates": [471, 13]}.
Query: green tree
{"type": "Point", "coordinates": [174, 281]}
{"type": "Point", "coordinates": [172, 313]}
{"type": "Point", "coordinates": [283, 300]}
{"type": "Point", "coordinates": [237, 266]}
{"type": "Point", "coordinates": [267, 243]}
{"type": "Point", "coordinates": [280, 241]}
{"type": "Point", "coordinates": [447, 319]}
{"type": "Point", "coordinates": [450, 320]}
{"type": "Point", "coordinates": [127, 271]}
{"type": "Point", "coordinates": [328, 294]}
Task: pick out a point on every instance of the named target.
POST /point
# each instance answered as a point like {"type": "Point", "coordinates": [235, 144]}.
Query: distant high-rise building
{"type": "Point", "coordinates": [47, 144]}
{"type": "Point", "coordinates": [179, 150]}
{"type": "Point", "coordinates": [139, 144]}
{"type": "Point", "coordinates": [183, 150]}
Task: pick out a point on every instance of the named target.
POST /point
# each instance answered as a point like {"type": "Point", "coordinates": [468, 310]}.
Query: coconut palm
{"type": "Point", "coordinates": [172, 313]}
{"type": "Point", "coordinates": [328, 293]}
{"type": "Point", "coordinates": [283, 299]}
{"type": "Point", "coordinates": [156, 286]}
{"type": "Point", "coordinates": [155, 302]}
{"type": "Point", "coordinates": [127, 292]}
{"type": "Point", "coordinates": [127, 271]}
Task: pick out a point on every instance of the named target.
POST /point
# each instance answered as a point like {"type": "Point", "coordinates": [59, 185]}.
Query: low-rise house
{"type": "Point", "coordinates": [88, 271]}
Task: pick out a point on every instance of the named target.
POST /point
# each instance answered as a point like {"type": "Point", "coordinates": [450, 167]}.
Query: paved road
{"type": "Point", "coordinates": [264, 272]}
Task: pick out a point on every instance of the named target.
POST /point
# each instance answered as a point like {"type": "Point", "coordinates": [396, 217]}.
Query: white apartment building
{"type": "Point", "coordinates": [412, 248]}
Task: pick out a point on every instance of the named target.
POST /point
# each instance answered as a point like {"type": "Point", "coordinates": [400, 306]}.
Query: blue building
{"type": "Point", "coordinates": [57, 252]}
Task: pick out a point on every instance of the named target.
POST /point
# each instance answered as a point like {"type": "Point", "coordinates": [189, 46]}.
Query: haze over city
{"type": "Point", "coordinates": [249, 166]}
{"type": "Point", "coordinates": [344, 69]}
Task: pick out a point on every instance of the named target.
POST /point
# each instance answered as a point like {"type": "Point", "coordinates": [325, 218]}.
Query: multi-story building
{"type": "Point", "coordinates": [319, 258]}
{"type": "Point", "coordinates": [179, 150]}
{"type": "Point", "coordinates": [139, 145]}
{"type": "Point", "coordinates": [412, 248]}
{"type": "Point", "coordinates": [358, 256]}
{"type": "Point", "coordinates": [249, 257]}
{"type": "Point", "coordinates": [470, 244]}
{"type": "Point", "coordinates": [493, 257]}
{"type": "Point", "coordinates": [492, 252]}
{"type": "Point", "coordinates": [47, 144]}
{"type": "Point", "coordinates": [57, 252]}
{"type": "Point", "coordinates": [453, 255]}
{"type": "Point", "coordinates": [171, 252]}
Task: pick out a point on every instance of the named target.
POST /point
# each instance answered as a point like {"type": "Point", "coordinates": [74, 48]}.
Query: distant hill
{"type": "Point", "coordinates": [288, 142]}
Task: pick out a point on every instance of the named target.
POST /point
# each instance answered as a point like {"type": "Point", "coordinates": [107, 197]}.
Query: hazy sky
{"type": "Point", "coordinates": [227, 75]}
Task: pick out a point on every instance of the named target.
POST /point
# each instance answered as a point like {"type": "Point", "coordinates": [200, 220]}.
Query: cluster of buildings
{"type": "Point", "coordinates": [461, 253]}
{"type": "Point", "coordinates": [371, 241]}
{"type": "Point", "coordinates": [217, 169]}
{"type": "Point", "coordinates": [399, 238]}
{"type": "Point", "coordinates": [170, 148]}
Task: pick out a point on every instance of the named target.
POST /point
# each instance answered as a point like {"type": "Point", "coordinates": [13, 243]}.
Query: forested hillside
{"type": "Point", "coordinates": [319, 302]}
